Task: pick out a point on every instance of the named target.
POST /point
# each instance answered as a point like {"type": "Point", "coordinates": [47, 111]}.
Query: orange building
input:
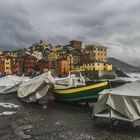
{"type": "Point", "coordinates": [63, 67]}
{"type": "Point", "coordinates": [1, 63]}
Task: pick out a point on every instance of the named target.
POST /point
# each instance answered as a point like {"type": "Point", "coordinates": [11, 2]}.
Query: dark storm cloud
{"type": "Point", "coordinates": [15, 29]}
{"type": "Point", "coordinates": [114, 23]}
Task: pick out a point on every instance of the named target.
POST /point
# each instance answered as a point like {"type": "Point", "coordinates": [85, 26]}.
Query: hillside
{"type": "Point", "coordinates": [118, 64]}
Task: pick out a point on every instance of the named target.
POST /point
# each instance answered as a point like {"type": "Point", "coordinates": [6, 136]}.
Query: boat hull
{"type": "Point", "coordinates": [85, 93]}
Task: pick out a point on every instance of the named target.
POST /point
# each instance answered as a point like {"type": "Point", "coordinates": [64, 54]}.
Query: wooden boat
{"type": "Point", "coordinates": [80, 92]}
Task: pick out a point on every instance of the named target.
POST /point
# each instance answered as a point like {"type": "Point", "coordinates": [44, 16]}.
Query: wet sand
{"type": "Point", "coordinates": [61, 122]}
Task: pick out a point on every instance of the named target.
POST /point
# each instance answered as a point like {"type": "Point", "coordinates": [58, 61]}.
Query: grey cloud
{"type": "Point", "coordinates": [114, 23]}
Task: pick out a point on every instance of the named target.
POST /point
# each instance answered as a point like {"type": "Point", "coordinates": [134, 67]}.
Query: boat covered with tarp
{"type": "Point", "coordinates": [36, 88]}
{"type": "Point", "coordinates": [10, 83]}
{"type": "Point", "coordinates": [121, 103]}
{"type": "Point", "coordinates": [74, 88]}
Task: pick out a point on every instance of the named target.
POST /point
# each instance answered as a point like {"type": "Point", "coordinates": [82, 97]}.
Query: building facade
{"type": "Point", "coordinates": [11, 65]}
{"type": "Point", "coordinates": [29, 64]}
{"type": "Point", "coordinates": [38, 55]}
{"type": "Point", "coordinates": [52, 56]}
{"type": "Point", "coordinates": [96, 66]}
{"type": "Point", "coordinates": [97, 52]}
{"type": "Point", "coordinates": [77, 45]}
{"type": "Point", "coordinates": [1, 63]}
{"type": "Point", "coordinates": [63, 67]}
{"type": "Point", "coordinates": [57, 48]}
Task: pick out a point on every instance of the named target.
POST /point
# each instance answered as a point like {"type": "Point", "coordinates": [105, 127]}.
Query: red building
{"type": "Point", "coordinates": [29, 64]}
{"type": "Point", "coordinates": [15, 65]}
{"type": "Point", "coordinates": [41, 66]}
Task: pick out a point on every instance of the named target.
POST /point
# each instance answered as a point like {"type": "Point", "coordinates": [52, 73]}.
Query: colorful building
{"type": "Point", "coordinates": [85, 57]}
{"type": "Point", "coordinates": [70, 59]}
{"type": "Point", "coordinates": [77, 45]}
{"type": "Point", "coordinates": [96, 66]}
{"type": "Point", "coordinates": [8, 65]}
{"type": "Point", "coordinates": [11, 65]}
{"type": "Point", "coordinates": [57, 48]}
{"type": "Point", "coordinates": [38, 55]}
{"type": "Point", "coordinates": [52, 56]}
{"type": "Point", "coordinates": [29, 64]}
{"type": "Point", "coordinates": [41, 46]}
{"type": "Point", "coordinates": [63, 67]}
{"type": "Point", "coordinates": [62, 55]}
{"type": "Point", "coordinates": [41, 66]}
{"type": "Point", "coordinates": [1, 63]}
{"type": "Point", "coordinates": [20, 64]}
{"type": "Point", "coordinates": [1, 52]}
{"type": "Point", "coordinates": [10, 53]}
{"type": "Point", "coordinates": [97, 52]}
{"type": "Point", "coordinates": [51, 64]}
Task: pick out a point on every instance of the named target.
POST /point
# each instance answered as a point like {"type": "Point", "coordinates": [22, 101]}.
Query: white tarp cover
{"type": "Point", "coordinates": [121, 103]}
{"type": "Point", "coordinates": [35, 89]}
{"type": "Point", "coordinates": [71, 81]}
{"type": "Point", "coordinates": [10, 83]}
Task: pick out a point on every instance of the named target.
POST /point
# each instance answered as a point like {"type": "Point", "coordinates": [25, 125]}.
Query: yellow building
{"type": "Point", "coordinates": [0, 52]}
{"type": "Point", "coordinates": [97, 66]}
{"type": "Point", "coordinates": [7, 65]}
{"type": "Point", "coordinates": [52, 56]}
{"type": "Point", "coordinates": [108, 67]}
{"type": "Point", "coordinates": [97, 52]}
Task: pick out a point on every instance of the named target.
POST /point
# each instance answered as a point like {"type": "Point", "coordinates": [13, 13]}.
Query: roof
{"type": "Point", "coordinates": [96, 45]}
{"type": "Point", "coordinates": [75, 41]}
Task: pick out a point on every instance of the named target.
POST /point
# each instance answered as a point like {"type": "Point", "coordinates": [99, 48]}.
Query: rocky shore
{"type": "Point", "coordinates": [61, 122]}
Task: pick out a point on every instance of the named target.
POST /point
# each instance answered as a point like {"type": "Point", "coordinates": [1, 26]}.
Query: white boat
{"type": "Point", "coordinates": [10, 83]}
{"type": "Point", "coordinates": [121, 103]}
{"type": "Point", "coordinates": [36, 88]}
{"type": "Point", "coordinates": [71, 88]}
{"type": "Point", "coordinates": [71, 81]}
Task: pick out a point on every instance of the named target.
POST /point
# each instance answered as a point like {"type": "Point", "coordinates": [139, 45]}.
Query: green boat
{"type": "Point", "coordinates": [82, 93]}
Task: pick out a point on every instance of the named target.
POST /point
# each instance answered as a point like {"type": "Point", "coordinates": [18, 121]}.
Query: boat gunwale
{"type": "Point", "coordinates": [79, 89]}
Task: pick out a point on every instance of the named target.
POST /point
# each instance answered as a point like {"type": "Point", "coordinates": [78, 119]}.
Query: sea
{"type": "Point", "coordinates": [132, 77]}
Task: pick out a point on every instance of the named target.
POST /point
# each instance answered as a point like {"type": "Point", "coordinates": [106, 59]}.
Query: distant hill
{"type": "Point", "coordinates": [118, 64]}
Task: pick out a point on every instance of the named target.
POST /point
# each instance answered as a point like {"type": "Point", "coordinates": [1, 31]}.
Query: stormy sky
{"type": "Point", "coordinates": [113, 23]}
